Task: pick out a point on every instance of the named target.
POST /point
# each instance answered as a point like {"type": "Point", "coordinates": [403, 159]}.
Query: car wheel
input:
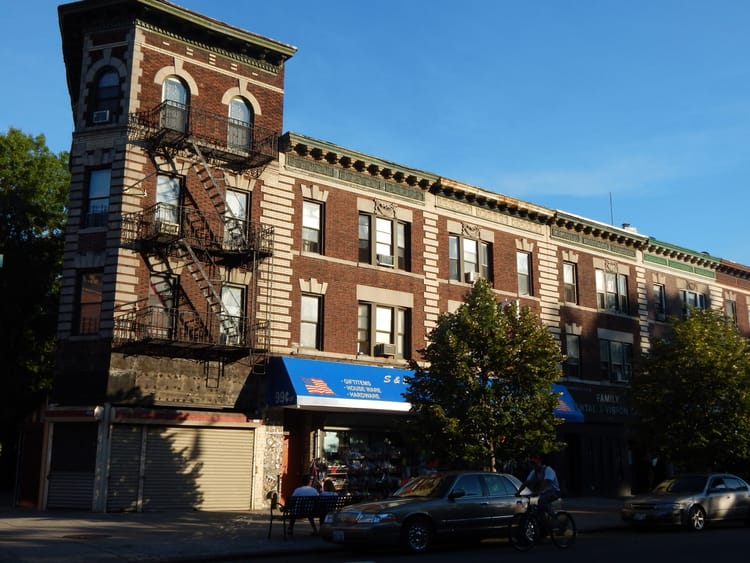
{"type": "Point", "coordinates": [416, 535]}
{"type": "Point", "coordinates": [696, 519]}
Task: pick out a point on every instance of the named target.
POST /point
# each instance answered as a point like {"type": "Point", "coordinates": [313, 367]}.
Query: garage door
{"type": "Point", "coordinates": [182, 468]}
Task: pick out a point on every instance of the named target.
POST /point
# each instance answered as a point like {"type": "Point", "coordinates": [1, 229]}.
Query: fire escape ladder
{"type": "Point", "coordinates": [215, 185]}
{"type": "Point", "coordinates": [206, 285]}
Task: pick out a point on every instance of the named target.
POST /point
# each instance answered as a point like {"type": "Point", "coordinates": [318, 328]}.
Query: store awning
{"type": "Point", "coordinates": [322, 385]}
{"type": "Point", "coordinates": [566, 408]}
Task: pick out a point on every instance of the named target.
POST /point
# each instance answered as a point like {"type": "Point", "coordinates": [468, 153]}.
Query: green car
{"type": "Point", "coordinates": [448, 506]}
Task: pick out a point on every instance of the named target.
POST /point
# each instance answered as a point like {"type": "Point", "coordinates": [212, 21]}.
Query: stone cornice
{"type": "Point", "coordinates": [624, 236]}
{"type": "Point", "coordinates": [680, 254]}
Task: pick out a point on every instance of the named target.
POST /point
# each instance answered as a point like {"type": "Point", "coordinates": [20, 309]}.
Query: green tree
{"type": "Point", "coordinates": [693, 393]}
{"type": "Point", "coordinates": [482, 393]}
{"type": "Point", "coordinates": [33, 193]}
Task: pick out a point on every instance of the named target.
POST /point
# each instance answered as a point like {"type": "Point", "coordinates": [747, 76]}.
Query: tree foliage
{"type": "Point", "coordinates": [485, 395]}
{"type": "Point", "coordinates": [693, 394]}
{"type": "Point", "coordinates": [33, 193]}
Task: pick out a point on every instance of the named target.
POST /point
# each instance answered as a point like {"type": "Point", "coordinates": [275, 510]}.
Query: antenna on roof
{"type": "Point", "coordinates": [611, 210]}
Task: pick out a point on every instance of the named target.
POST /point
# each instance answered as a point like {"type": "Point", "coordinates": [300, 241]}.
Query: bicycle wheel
{"type": "Point", "coordinates": [563, 530]}
{"type": "Point", "coordinates": [523, 532]}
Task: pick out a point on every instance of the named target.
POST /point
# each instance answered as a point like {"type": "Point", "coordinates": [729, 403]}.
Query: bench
{"type": "Point", "coordinates": [303, 507]}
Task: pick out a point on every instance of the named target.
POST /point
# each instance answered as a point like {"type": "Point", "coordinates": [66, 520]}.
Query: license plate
{"type": "Point", "coordinates": [338, 536]}
{"type": "Point", "coordinates": [639, 516]}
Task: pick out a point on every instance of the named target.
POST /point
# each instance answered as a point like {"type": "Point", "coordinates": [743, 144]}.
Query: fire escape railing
{"type": "Point", "coordinates": [237, 145]}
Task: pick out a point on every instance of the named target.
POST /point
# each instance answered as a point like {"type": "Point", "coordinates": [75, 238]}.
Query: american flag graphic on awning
{"type": "Point", "coordinates": [316, 386]}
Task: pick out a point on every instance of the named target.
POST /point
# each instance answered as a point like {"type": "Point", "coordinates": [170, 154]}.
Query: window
{"type": "Point", "coordinates": [161, 305]}
{"type": "Point", "coordinates": [232, 317]}
{"type": "Point", "coordinates": [312, 227]}
{"type": "Point", "coordinates": [175, 109]}
{"type": "Point", "coordinates": [570, 283]}
{"type": "Point", "coordinates": [468, 258]}
{"type": "Point", "coordinates": [97, 203]}
{"type": "Point", "coordinates": [89, 304]}
{"type": "Point", "coordinates": [615, 360]}
{"type": "Point", "coordinates": [612, 291]}
{"type": "Point", "coordinates": [572, 366]}
{"type": "Point", "coordinates": [379, 324]}
{"type": "Point", "coordinates": [236, 220]}
{"type": "Point", "coordinates": [107, 96]}
{"type": "Point", "coordinates": [660, 302]}
{"type": "Point", "coordinates": [730, 310]}
{"type": "Point", "coordinates": [523, 268]}
{"type": "Point", "coordinates": [240, 126]}
{"type": "Point", "coordinates": [167, 214]}
{"type": "Point", "coordinates": [691, 300]}
{"type": "Point", "coordinates": [384, 242]}
{"type": "Point", "coordinates": [310, 326]}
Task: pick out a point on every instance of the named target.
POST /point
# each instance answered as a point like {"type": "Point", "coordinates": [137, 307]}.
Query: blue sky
{"type": "Point", "coordinates": [629, 111]}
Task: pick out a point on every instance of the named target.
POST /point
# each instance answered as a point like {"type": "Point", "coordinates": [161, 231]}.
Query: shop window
{"type": "Point", "coordinates": [615, 360]}
{"type": "Point", "coordinates": [523, 269]}
{"type": "Point", "coordinates": [310, 321]}
{"type": "Point", "coordinates": [612, 291]}
{"type": "Point", "coordinates": [97, 201]}
{"type": "Point", "coordinates": [468, 259]}
{"type": "Point", "coordinates": [384, 242]}
{"type": "Point", "coordinates": [572, 365]}
{"type": "Point", "coordinates": [312, 227]}
{"type": "Point", "coordinates": [660, 302]}
{"type": "Point", "coordinates": [570, 282]}
{"type": "Point", "coordinates": [383, 330]}
{"type": "Point", "coordinates": [89, 302]}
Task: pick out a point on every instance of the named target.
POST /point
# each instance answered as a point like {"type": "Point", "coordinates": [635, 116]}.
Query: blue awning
{"type": "Point", "coordinates": [566, 408]}
{"type": "Point", "coordinates": [341, 386]}
{"type": "Point", "coordinates": [322, 385]}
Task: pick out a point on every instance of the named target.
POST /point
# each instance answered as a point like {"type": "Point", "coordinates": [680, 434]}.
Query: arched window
{"type": "Point", "coordinates": [106, 96]}
{"type": "Point", "coordinates": [176, 104]}
{"type": "Point", "coordinates": [240, 126]}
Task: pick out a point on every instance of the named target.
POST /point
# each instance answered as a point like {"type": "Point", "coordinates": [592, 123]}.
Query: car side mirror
{"type": "Point", "coordinates": [458, 493]}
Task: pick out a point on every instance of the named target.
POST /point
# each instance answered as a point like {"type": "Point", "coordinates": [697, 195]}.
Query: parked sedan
{"type": "Point", "coordinates": [691, 501]}
{"type": "Point", "coordinates": [437, 507]}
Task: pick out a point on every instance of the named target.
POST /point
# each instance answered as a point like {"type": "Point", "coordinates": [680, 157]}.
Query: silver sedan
{"type": "Point", "coordinates": [691, 501]}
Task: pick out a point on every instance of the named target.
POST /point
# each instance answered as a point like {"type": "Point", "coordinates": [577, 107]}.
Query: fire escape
{"type": "Point", "coordinates": [198, 241]}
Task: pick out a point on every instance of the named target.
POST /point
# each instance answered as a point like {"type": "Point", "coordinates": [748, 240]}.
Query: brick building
{"type": "Point", "coordinates": [239, 302]}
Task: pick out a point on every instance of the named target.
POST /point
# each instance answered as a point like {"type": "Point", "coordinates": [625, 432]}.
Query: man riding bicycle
{"type": "Point", "coordinates": [542, 480]}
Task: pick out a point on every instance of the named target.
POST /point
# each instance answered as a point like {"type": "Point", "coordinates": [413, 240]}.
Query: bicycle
{"type": "Point", "coordinates": [531, 526]}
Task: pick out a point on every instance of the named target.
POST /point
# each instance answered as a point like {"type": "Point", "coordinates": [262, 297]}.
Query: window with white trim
{"type": "Point", "coordinates": [382, 325]}
{"type": "Point", "coordinates": [97, 201]}
{"type": "Point", "coordinates": [730, 310]}
{"type": "Point", "coordinates": [612, 291]}
{"type": "Point", "coordinates": [468, 258]}
{"type": "Point", "coordinates": [88, 302]}
{"type": "Point", "coordinates": [236, 217]}
{"type": "Point", "coordinates": [106, 97]}
{"type": "Point", "coordinates": [692, 300]}
{"type": "Point", "coordinates": [572, 366]}
{"type": "Point", "coordinates": [310, 332]}
{"type": "Point", "coordinates": [523, 270]}
{"type": "Point", "coordinates": [615, 359]}
{"type": "Point", "coordinates": [384, 241]}
{"type": "Point", "coordinates": [660, 302]}
{"type": "Point", "coordinates": [176, 100]}
{"type": "Point", "coordinates": [232, 317]}
{"type": "Point", "coordinates": [312, 227]}
{"type": "Point", "coordinates": [570, 282]}
{"type": "Point", "coordinates": [240, 125]}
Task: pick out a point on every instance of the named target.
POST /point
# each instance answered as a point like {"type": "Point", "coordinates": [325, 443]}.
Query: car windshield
{"type": "Point", "coordinates": [426, 486]}
{"type": "Point", "coordinates": [691, 484]}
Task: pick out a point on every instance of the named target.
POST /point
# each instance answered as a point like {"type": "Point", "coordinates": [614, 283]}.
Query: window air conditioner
{"type": "Point", "coordinates": [101, 116]}
{"type": "Point", "coordinates": [385, 260]}
{"type": "Point", "coordinates": [385, 350]}
{"type": "Point", "coordinates": [471, 277]}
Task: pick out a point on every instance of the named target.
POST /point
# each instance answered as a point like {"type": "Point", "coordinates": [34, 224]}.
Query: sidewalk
{"type": "Point", "coordinates": [64, 536]}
